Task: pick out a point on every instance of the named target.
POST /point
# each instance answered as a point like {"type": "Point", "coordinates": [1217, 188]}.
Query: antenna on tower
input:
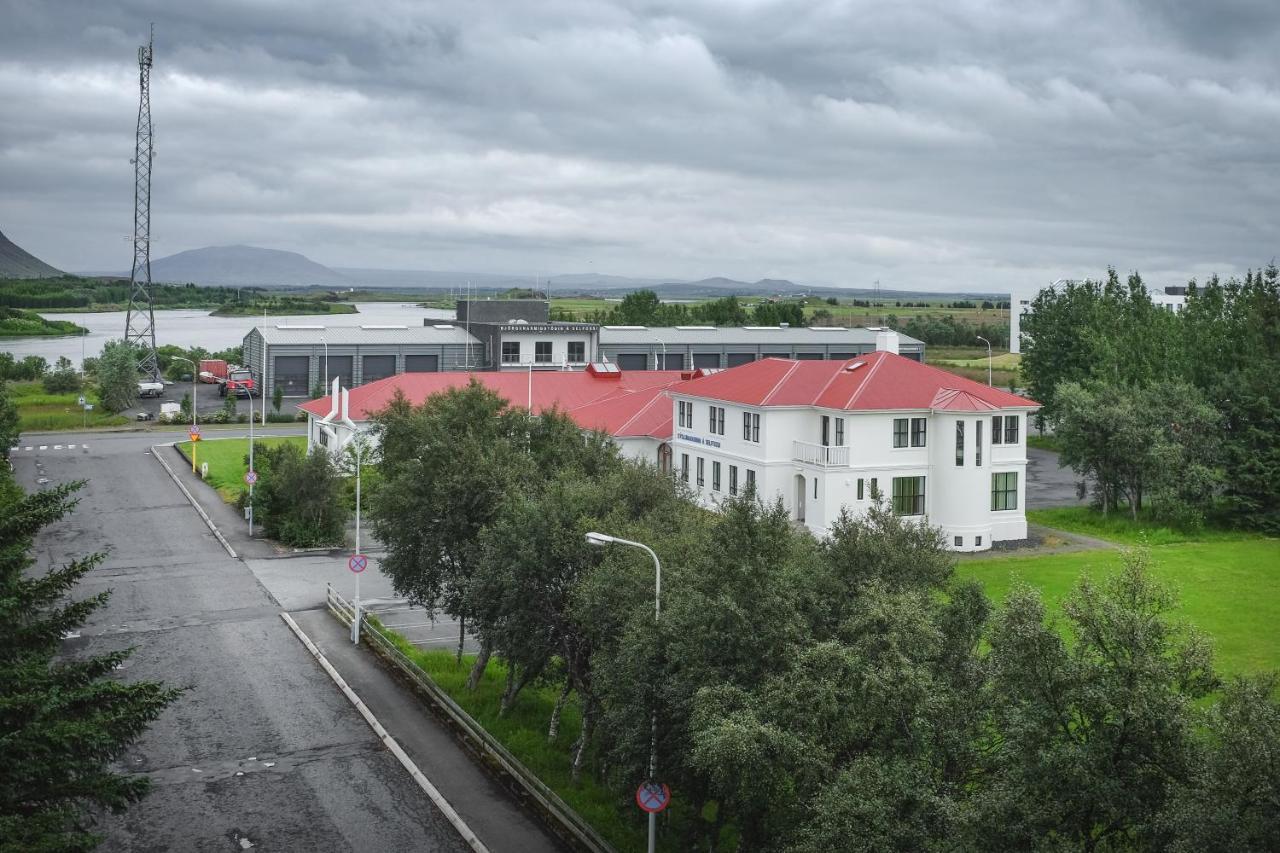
{"type": "Point", "coordinates": [140, 321]}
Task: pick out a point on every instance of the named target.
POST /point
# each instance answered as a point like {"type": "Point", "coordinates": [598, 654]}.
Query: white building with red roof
{"type": "Point", "coordinates": [825, 436]}
{"type": "Point", "coordinates": [828, 436]}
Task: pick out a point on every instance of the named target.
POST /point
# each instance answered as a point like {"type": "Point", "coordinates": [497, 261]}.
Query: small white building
{"type": "Point", "coordinates": [830, 436]}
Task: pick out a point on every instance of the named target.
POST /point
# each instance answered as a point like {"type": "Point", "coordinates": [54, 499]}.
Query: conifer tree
{"type": "Point", "coordinates": [63, 722]}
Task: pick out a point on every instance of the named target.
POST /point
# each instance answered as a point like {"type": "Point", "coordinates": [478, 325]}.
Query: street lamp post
{"type": "Point", "coordinates": [326, 361]}
{"type": "Point", "coordinates": [988, 343]}
{"type": "Point", "coordinates": [664, 354]}
{"type": "Point", "coordinates": [601, 540]}
{"type": "Point", "coordinates": [358, 451]}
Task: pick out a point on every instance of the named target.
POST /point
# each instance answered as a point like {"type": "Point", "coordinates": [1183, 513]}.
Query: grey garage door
{"type": "Point", "coordinates": [291, 374]}
{"type": "Point", "coordinates": [341, 366]}
{"type": "Point", "coordinates": [737, 358]}
{"type": "Point", "coordinates": [422, 364]}
{"type": "Point", "coordinates": [706, 359]}
{"type": "Point", "coordinates": [374, 367]}
{"type": "Point", "coordinates": [776, 355]}
{"type": "Point", "coordinates": [809, 356]}
{"type": "Point", "coordinates": [633, 361]}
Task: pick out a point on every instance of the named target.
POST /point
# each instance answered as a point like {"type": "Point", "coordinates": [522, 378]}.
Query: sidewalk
{"type": "Point", "coordinates": [488, 808]}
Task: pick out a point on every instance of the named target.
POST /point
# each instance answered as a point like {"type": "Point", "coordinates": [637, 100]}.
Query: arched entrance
{"type": "Point", "coordinates": [664, 458]}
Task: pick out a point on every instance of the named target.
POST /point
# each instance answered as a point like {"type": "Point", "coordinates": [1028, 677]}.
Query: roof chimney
{"type": "Point", "coordinates": [887, 341]}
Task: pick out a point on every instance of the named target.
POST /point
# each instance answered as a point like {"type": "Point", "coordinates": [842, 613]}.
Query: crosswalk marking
{"type": "Point", "coordinates": [28, 448]}
{"type": "Point", "coordinates": [46, 447]}
{"type": "Point", "coordinates": [59, 447]}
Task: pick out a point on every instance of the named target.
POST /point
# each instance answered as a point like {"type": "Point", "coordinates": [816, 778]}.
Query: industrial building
{"type": "Point", "coordinates": [824, 436]}
{"type": "Point", "coordinates": [506, 335]}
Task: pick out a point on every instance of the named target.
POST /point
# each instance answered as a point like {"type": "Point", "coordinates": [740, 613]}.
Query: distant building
{"type": "Point", "coordinates": [516, 334]}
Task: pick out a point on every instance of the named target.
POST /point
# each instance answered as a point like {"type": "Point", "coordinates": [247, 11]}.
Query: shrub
{"type": "Point", "coordinates": [299, 497]}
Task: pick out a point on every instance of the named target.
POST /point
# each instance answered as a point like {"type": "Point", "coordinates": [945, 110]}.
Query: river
{"type": "Point", "coordinates": [195, 328]}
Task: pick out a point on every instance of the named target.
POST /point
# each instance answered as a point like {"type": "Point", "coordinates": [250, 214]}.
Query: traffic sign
{"type": "Point", "coordinates": [358, 563]}
{"type": "Point", "coordinates": [81, 400]}
{"type": "Point", "coordinates": [653, 797]}
{"type": "Point", "coordinates": [251, 477]}
{"type": "Point", "coordinates": [194, 432]}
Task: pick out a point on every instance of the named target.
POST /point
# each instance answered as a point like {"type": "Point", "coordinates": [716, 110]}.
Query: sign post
{"type": "Point", "coordinates": [358, 563]}
{"type": "Point", "coordinates": [195, 442]}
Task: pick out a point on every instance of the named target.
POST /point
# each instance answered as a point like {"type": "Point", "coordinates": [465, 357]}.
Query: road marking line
{"type": "Point", "coordinates": [57, 447]}
{"type": "Point", "coordinates": [44, 447]}
{"type": "Point", "coordinates": [423, 782]}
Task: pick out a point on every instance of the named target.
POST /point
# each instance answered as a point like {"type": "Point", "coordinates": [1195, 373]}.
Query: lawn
{"type": "Point", "coordinates": [226, 458]}
{"type": "Point", "coordinates": [41, 412]}
{"type": "Point", "coordinates": [523, 731]}
{"type": "Point", "coordinates": [1229, 589]}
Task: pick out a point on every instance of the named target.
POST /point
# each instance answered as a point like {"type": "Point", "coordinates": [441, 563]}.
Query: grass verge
{"type": "Point", "coordinates": [226, 458]}
{"type": "Point", "coordinates": [1120, 527]}
{"type": "Point", "coordinates": [523, 731]}
{"type": "Point", "coordinates": [1228, 589]}
{"type": "Point", "coordinates": [42, 412]}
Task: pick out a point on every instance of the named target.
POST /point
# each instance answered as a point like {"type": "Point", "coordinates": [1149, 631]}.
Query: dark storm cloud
{"type": "Point", "coordinates": [942, 144]}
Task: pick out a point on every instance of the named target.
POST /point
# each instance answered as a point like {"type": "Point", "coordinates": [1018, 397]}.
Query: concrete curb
{"type": "Point", "coordinates": [423, 782]}
{"type": "Point", "coordinates": [155, 451]}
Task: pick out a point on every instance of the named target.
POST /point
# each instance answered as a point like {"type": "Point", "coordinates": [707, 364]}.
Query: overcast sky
{"type": "Point", "coordinates": [941, 145]}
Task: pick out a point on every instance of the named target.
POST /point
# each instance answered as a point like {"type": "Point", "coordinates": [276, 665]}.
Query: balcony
{"type": "Point", "coordinates": [820, 455]}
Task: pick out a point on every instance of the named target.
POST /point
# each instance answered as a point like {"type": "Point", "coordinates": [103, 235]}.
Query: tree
{"type": "Point", "coordinates": [63, 379]}
{"type": "Point", "coordinates": [117, 376]}
{"type": "Point", "coordinates": [1231, 799]}
{"type": "Point", "coordinates": [446, 467]}
{"type": "Point", "coordinates": [277, 398]}
{"type": "Point", "coordinates": [638, 308]}
{"type": "Point", "coordinates": [63, 722]}
{"type": "Point", "coordinates": [9, 429]}
{"type": "Point", "coordinates": [1089, 738]}
{"type": "Point", "coordinates": [299, 496]}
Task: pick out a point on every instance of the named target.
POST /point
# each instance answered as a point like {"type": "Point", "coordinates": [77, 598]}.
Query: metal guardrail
{"type": "Point", "coordinates": [566, 822]}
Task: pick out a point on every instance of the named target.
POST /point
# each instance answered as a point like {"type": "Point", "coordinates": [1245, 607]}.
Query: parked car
{"type": "Point", "coordinates": [150, 389]}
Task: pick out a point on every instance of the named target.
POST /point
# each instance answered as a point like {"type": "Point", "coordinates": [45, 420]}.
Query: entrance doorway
{"type": "Point", "coordinates": [800, 496]}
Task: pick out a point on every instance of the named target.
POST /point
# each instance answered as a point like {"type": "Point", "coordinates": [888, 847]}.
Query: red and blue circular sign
{"type": "Point", "coordinates": [653, 797]}
{"type": "Point", "coordinates": [251, 477]}
{"type": "Point", "coordinates": [358, 563]}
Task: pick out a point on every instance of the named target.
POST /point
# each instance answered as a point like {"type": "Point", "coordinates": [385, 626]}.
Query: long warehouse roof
{"type": "Point", "coordinates": [764, 335]}
{"type": "Point", "coordinates": [317, 334]}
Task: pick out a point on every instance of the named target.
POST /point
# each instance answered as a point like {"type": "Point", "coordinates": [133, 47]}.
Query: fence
{"type": "Point", "coordinates": [563, 820]}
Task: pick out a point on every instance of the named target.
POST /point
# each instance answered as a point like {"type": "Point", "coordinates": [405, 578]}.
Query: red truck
{"type": "Point", "coordinates": [239, 381]}
{"type": "Point", "coordinates": [213, 370]}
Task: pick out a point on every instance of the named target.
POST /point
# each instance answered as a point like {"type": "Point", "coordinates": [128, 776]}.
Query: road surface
{"type": "Point", "coordinates": [262, 747]}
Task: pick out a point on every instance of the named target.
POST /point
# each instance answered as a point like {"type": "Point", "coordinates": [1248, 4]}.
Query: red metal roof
{"type": "Point", "coordinates": [630, 404]}
{"type": "Point", "coordinates": [871, 382]}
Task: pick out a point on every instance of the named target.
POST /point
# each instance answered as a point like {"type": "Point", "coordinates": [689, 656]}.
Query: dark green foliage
{"type": "Point", "coordinates": [63, 722]}
{"type": "Point", "coordinates": [63, 379]}
{"type": "Point", "coordinates": [1225, 342]}
{"type": "Point", "coordinates": [15, 322]}
{"type": "Point", "coordinates": [951, 331]}
{"type": "Point", "coordinates": [117, 376]}
{"type": "Point", "coordinates": [31, 367]}
{"type": "Point", "coordinates": [277, 398]}
{"type": "Point", "coordinates": [8, 421]}
{"type": "Point", "coordinates": [299, 496]}
{"type": "Point", "coordinates": [644, 308]}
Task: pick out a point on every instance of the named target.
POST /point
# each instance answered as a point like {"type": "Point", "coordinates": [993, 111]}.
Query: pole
{"type": "Point", "coordinates": [355, 627]}
{"type": "Point", "coordinates": [601, 539]}
{"type": "Point", "coordinates": [988, 343]}
{"type": "Point", "coordinates": [326, 361]}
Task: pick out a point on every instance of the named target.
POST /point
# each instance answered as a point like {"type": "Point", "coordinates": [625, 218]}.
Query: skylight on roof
{"type": "Point", "coordinates": [294, 328]}
{"type": "Point", "coordinates": [829, 328]}
{"type": "Point", "coordinates": [763, 328]}
{"type": "Point", "coordinates": [626, 328]}
{"type": "Point", "coordinates": [373, 326]}
{"type": "Point", "coordinates": [442, 326]}
{"type": "Point", "coordinates": [852, 367]}
{"type": "Point", "coordinates": [696, 328]}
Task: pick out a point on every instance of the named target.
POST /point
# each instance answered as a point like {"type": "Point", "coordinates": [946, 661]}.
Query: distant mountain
{"type": "Point", "coordinates": [16, 262]}
{"type": "Point", "coordinates": [236, 266]}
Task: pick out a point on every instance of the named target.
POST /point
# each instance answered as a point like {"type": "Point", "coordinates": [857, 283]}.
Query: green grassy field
{"type": "Point", "coordinates": [523, 731]}
{"type": "Point", "coordinates": [1228, 583]}
{"type": "Point", "coordinates": [41, 412]}
{"type": "Point", "coordinates": [226, 458]}
{"type": "Point", "coordinates": [1119, 527]}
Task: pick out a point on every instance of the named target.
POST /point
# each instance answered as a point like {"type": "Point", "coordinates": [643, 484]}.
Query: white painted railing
{"type": "Point", "coordinates": [817, 454]}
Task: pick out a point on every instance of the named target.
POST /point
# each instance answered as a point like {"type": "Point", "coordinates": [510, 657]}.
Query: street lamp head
{"type": "Point", "coordinates": [600, 539]}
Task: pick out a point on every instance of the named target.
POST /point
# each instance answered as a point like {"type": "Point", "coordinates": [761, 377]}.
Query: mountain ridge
{"type": "Point", "coordinates": [17, 262]}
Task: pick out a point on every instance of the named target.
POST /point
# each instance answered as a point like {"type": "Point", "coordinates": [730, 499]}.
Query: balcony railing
{"type": "Point", "coordinates": [817, 454]}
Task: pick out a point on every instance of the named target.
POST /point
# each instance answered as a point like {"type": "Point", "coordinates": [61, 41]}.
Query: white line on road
{"type": "Point", "coordinates": [423, 782]}
{"type": "Point", "coordinates": [57, 447]}
{"type": "Point", "coordinates": [44, 447]}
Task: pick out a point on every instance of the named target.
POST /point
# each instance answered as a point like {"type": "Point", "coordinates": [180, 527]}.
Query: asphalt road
{"type": "Point", "coordinates": [1049, 485]}
{"type": "Point", "coordinates": [262, 747]}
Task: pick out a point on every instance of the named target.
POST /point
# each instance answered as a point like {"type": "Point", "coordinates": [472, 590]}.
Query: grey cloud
{"type": "Point", "coordinates": [929, 144]}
